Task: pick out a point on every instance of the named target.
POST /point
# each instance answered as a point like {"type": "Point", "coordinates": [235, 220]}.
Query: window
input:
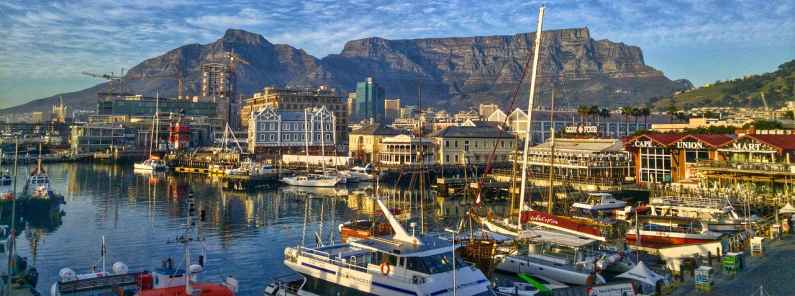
{"type": "Point", "coordinates": [286, 126]}
{"type": "Point", "coordinates": [655, 165]}
{"type": "Point", "coordinates": [446, 143]}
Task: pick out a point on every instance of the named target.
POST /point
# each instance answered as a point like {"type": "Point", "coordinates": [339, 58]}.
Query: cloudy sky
{"type": "Point", "coordinates": [45, 45]}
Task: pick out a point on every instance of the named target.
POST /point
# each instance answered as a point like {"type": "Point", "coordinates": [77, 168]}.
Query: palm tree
{"type": "Point", "coordinates": [645, 112]}
{"type": "Point", "coordinates": [604, 113]}
{"type": "Point", "coordinates": [635, 113]}
{"type": "Point", "coordinates": [583, 110]}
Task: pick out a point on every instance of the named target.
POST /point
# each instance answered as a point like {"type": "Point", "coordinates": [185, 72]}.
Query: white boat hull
{"type": "Point", "coordinates": [294, 181]}
{"type": "Point", "coordinates": [520, 264]}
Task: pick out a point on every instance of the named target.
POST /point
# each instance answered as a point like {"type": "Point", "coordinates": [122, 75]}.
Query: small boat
{"type": "Point", "coordinates": [720, 216]}
{"type": "Point", "coordinates": [599, 202]}
{"type": "Point", "coordinates": [153, 164]}
{"type": "Point", "coordinates": [362, 229]}
{"type": "Point", "coordinates": [312, 180]}
{"type": "Point", "coordinates": [6, 187]}
{"type": "Point", "coordinates": [251, 168]}
{"type": "Point", "coordinates": [362, 174]}
{"type": "Point", "coordinates": [672, 232]}
{"type": "Point", "coordinates": [563, 224]}
{"type": "Point", "coordinates": [96, 282]}
{"type": "Point", "coordinates": [531, 286]}
{"type": "Point", "coordinates": [38, 183]}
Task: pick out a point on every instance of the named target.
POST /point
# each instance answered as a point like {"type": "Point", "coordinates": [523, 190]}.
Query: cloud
{"type": "Point", "coordinates": [58, 40]}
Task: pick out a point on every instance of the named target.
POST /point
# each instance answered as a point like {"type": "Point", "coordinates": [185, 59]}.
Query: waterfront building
{"type": "Point", "coordinates": [369, 101]}
{"type": "Point", "coordinates": [272, 131]}
{"type": "Point", "coordinates": [37, 117]}
{"type": "Point", "coordinates": [391, 110]}
{"type": "Point", "coordinates": [405, 150]}
{"type": "Point", "coordinates": [463, 116]}
{"type": "Point", "coordinates": [763, 162]}
{"type": "Point", "coordinates": [544, 121]}
{"type": "Point", "coordinates": [92, 137]}
{"type": "Point", "coordinates": [298, 100]}
{"type": "Point", "coordinates": [497, 116]}
{"type": "Point", "coordinates": [593, 161]}
{"type": "Point", "coordinates": [219, 86]}
{"type": "Point", "coordinates": [694, 123]}
{"type": "Point", "coordinates": [666, 158]}
{"type": "Point", "coordinates": [464, 145]}
{"type": "Point", "coordinates": [408, 111]}
{"type": "Point", "coordinates": [364, 143]}
{"type": "Point", "coordinates": [485, 110]}
{"type": "Point", "coordinates": [142, 106]}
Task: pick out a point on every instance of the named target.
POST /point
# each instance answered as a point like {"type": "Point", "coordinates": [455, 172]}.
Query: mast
{"type": "Point", "coordinates": [12, 234]}
{"type": "Point", "coordinates": [552, 155]}
{"type": "Point", "coordinates": [529, 135]}
{"type": "Point", "coordinates": [322, 143]}
{"type": "Point", "coordinates": [156, 135]}
{"type": "Point", "coordinates": [306, 139]}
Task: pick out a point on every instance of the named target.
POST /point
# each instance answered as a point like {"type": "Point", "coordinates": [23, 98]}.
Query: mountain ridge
{"type": "Point", "coordinates": [458, 72]}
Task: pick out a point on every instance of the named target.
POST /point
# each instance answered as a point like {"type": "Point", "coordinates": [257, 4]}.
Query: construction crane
{"type": "Point", "coordinates": [110, 77]}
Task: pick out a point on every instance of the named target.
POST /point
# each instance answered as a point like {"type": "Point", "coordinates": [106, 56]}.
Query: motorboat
{"type": "Point", "coordinates": [720, 216]}
{"type": "Point", "coordinates": [599, 202]}
{"type": "Point", "coordinates": [558, 256]}
{"type": "Point", "coordinates": [6, 187]}
{"type": "Point", "coordinates": [250, 168]}
{"type": "Point", "coordinates": [38, 183]}
{"type": "Point", "coordinates": [362, 174]}
{"type": "Point", "coordinates": [672, 231]}
{"type": "Point", "coordinates": [531, 286]}
{"type": "Point", "coordinates": [312, 180]}
{"type": "Point", "coordinates": [153, 164]}
{"type": "Point", "coordinates": [398, 265]}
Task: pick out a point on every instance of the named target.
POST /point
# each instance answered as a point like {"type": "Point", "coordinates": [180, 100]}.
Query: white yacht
{"type": "Point", "coordinates": [599, 202]}
{"type": "Point", "coordinates": [399, 265]}
{"type": "Point", "coordinates": [312, 180]}
{"type": "Point", "coordinates": [251, 168]}
{"type": "Point", "coordinates": [153, 164]}
{"type": "Point", "coordinates": [362, 174]}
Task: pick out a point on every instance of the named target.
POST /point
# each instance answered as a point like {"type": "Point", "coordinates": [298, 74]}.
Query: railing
{"type": "Point", "coordinates": [327, 258]}
{"type": "Point", "coordinates": [747, 166]}
{"type": "Point", "coordinates": [595, 180]}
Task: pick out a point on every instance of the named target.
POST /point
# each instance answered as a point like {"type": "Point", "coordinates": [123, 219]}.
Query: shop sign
{"type": "Point", "coordinates": [690, 145]}
{"type": "Point", "coordinates": [642, 144]}
{"type": "Point", "coordinates": [750, 147]}
{"type": "Point", "coordinates": [582, 129]}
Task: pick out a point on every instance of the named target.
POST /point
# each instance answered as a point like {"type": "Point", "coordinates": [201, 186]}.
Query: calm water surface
{"type": "Point", "coordinates": [245, 232]}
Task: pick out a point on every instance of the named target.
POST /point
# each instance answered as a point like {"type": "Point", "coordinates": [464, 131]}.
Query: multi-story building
{"type": "Point", "coordinates": [37, 117]}
{"type": "Point", "coordinates": [408, 111]}
{"type": "Point", "coordinates": [497, 116]}
{"type": "Point", "coordinates": [99, 137]}
{"type": "Point", "coordinates": [591, 161]}
{"type": "Point", "coordinates": [351, 104]}
{"type": "Point", "coordinates": [405, 150]}
{"type": "Point", "coordinates": [369, 101]}
{"type": "Point", "coordinates": [543, 122]}
{"type": "Point", "coordinates": [363, 143]}
{"type": "Point", "coordinates": [140, 106]}
{"type": "Point", "coordinates": [485, 110]}
{"type": "Point", "coordinates": [272, 131]}
{"type": "Point", "coordinates": [464, 145]}
{"type": "Point", "coordinates": [219, 86]}
{"type": "Point", "coordinates": [298, 100]}
{"type": "Point", "coordinates": [391, 110]}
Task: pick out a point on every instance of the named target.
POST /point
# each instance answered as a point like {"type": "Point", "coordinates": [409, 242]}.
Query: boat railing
{"type": "Point", "coordinates": [99, 283]}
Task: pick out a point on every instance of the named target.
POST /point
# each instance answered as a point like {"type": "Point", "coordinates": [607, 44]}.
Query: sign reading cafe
{"type": "Point", "coordinates": [642, 144]}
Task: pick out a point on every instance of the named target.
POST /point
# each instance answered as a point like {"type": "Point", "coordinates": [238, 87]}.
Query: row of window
{"type": "Point", "coordinates": [291, 137]}
{"type": "Point", "coordinates": [298, 126]}
{"type": "Point", "coordinates": [487, 144]}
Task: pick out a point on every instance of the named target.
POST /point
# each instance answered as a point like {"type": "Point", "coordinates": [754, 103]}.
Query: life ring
{"type": "Point", "coordinates": [385, 268]}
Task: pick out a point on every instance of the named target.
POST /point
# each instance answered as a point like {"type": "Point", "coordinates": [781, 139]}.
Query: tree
{"type": "Point", "coordinates": [789, 115]}
{"type": "Point", "coordinates": [672, 109]}
{"type": "Point", "coordinates": [645, 112]}
{"type": "Point", "coordinates": [762, 124]}
{"type": "Point", "coordinates": [583, 110]}
{"type": "Point", "coordinates": [626, 112]}
{"type": "Point", "coordinates": [593, 111]}
{"type": "Point", "coordinates": [635, 113]}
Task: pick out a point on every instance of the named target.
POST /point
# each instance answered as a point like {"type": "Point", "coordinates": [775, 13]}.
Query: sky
{"type": "Point", "coordinates": [44, 46]}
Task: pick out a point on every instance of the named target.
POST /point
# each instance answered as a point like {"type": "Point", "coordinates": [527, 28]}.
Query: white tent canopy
{"type": "Point", "coordinates": [642, 273]}
{"type": "Point", "coordinates": [787, 209]}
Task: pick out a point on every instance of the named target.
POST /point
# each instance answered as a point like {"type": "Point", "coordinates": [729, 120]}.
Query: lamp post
{"type": "Point", "coordinates": [454, 232]}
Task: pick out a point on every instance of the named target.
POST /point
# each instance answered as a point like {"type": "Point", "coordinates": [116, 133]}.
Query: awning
{"type": "Point", "coordinates": [642, 273]}
{"type": "Point", "coordinates": [787, 209]}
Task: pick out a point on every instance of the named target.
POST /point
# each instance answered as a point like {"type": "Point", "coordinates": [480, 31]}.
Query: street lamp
{"type": "Point", "coordinates": [454, 232]}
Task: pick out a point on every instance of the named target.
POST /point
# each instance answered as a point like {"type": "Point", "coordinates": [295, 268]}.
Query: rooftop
{"type": "Point", "coordinates": [376, 130]}
{"type": "Point", "coordinates": [582, 145]}
{"type": "Point", "coordinates": [472, 132]}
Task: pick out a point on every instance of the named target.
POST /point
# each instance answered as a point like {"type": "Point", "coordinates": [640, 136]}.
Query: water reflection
{"type": "Point", "coordinates": [246, 232]}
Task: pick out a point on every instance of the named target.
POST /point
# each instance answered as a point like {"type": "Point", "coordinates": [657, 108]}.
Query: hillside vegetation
{"type": "Point", "coordinates": [778, 87]}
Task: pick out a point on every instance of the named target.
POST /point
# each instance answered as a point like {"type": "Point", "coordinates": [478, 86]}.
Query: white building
{"type": "Point", "coordinates": [497, 116]}
{"type": "Point", "coordinates": [404, 150]}
{"type": "Point", "coordinates": [269, 128]}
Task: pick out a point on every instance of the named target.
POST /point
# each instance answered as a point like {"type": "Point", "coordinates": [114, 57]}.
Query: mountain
{"type": "Point", "coordinates": [778, 87]}
{"type": "Point", "coordinates": [460, 72]}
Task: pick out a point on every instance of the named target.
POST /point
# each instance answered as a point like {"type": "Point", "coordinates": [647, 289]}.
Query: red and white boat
{"type": "Point", "coordinates": [564, 224]}
{"type": "Point", "coordinates": [673, 232]}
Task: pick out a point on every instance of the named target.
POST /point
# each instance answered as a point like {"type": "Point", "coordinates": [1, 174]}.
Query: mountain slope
{"type": "Point", "coordinates": [458, 72]}
{"type": "Point", "coordinates": [778, 87]}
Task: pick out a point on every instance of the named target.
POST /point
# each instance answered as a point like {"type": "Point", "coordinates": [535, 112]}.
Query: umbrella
{"type": "Point", "coordinates": [642, 273]}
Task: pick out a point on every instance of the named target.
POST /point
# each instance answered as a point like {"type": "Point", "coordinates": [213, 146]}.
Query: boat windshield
{"type": "Point", "coordinates": [433, 264]}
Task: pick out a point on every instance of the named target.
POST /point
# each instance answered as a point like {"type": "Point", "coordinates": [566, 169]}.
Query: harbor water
{"type": "Point", "coordinates": [246, 233]}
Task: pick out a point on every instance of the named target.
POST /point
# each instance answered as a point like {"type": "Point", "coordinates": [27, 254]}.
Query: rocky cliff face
{"type": "Point", "coordinates": [452, 72]}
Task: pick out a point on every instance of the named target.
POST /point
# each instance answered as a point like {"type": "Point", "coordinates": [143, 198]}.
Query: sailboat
{"type": "Point", "coordinates": [404, 264]}
{"type": "Point", "coordinates": [153, 163]}
{"type": "Point", "coordinates": [325, 178]}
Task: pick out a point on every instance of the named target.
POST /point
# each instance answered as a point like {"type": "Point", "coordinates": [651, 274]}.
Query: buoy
{"type": "Point", "coordinates": [119, 268]}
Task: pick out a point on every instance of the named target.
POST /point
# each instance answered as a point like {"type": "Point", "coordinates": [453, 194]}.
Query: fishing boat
{"type": "Point", "coordinates": [672, 231]}
{"type": "Point", "coordinates": [97, 282]}
{"type": "Point", "coordinates": [599, 202]}
{"type": "Point", "coordinates": [38, 182]}
{"type": "Point", "coordinates": [400, 265]}
{"type": "Point", "coordinates": [169, 280]}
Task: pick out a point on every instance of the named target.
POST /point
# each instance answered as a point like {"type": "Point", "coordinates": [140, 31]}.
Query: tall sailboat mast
{"type": "Point", "coordinates": [550, 206]}
{"type": "Point", "coordinates": [529, 135]}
